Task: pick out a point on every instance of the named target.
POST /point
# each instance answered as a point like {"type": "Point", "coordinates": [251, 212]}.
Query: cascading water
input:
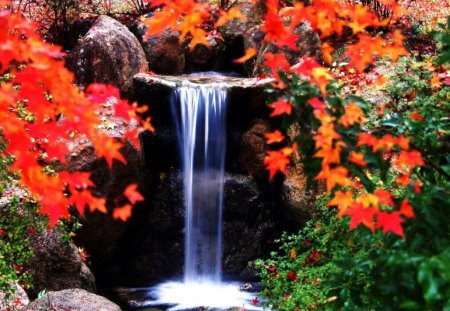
{"type": "Point", "coordinates": [199, 112]}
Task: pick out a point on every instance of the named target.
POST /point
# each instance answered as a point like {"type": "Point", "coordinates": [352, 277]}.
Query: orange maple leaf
{"type": "Point", "coordinates": [353, 114]}
{"type": "Point", "coordinates": [343, 200]}
{"type": "Point", "coordinates": [249, 53]}
{"type": "Point", "coordinates": [274, 137]}
{"type": "Point", "coordinates": [132, 194]}
{"type": "Point", "coordinates": [278, 160]}
{"type": "Point", "coordinates": [357, 158]}
{"type": "Point", "coordinates": [334, 176]}
{"type": "Point", "coordinates": [123, 212]}
{"type": "Point", "coordinates": [226, 16]}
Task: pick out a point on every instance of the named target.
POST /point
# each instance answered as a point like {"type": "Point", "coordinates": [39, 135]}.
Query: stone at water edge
{"type": "Point", "coordinates": [57, 264]}
{"type": "Point", "coordinates": [73, 299]}
{"type": "Point", "coordinates": [13, 301]}
{"type": "Point", "coordinates": [108, 53]}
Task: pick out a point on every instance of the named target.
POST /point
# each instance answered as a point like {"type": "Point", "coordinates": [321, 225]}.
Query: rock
{"type": "Point", "coordinates": [206, 57]}
{"type": "Point", "coordinates": [73, 299]}
{"type": "Point", "coordinates": [253, 149]}
{"type": "Point", "coordinates": [308, 44]}
{"type": "Point", "coordinates": [57, 264]}
{"type": "Point", "coordinates": [108, 53]}
{"type": "Point", "coordinates": [242, 34]}
{"type": "Point", "coordinates": [297, 198]}
{"type": "Point", "coordinates": [164, 53]}
{"type": "Point", "coordinates": [247, 227]}
{"type": "Point", "coordinates": [155, 91]}
{"type": "Point", "coordinates": [17, 299]}
{"type": "Point", "coordinates": [101, 235]}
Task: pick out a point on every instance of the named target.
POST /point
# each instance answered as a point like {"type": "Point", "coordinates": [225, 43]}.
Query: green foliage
{"type": "Point", "coordinates": [419, 263]}
{"type": "Point", "coordinates": [361, 270]}
{"type": "Point", "coordinates": [16, 222]}
{"type": "Point", "coordinates": [312, 256]}
{"type": "Point", "coordinates": [443, 37]}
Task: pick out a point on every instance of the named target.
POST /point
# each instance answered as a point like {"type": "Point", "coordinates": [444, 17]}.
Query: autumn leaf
{"type": "Point", "coordinates": [278, 160]}
{"type": "Point", "coordinates": [226, 16]}
{"type": "Point", "coordinates": [353, 114]}
{"type": "Point", "coordinates": [416, 116]}
{"type": "Point", "coordinates": [406, 209]}
{"type": "Point", "coordinates": [274, 137]}
{"type": "Point", "coordinates": [317, 104]}
{"type": "Point", "coordinates": [361, 215]}
{"type": "Point", "coordinates": [132, 194]}
{"type": "Point", "coordinates": [249, 53]}
{"type": "Point", "coordinates": [109, 148]}
{"type": "Point", "coordinates": [281, 107]}
{"type": "Point", "coordinates": [357, 158]}
{"type": "Point", "coordinates": [123, 212]}
{"type": "Point", "coordinates": [334, 176]}
{"type": "Point", "coordinates": [326, 50]}
{"type": "Point", "coordinates": [343, 200]}
{"type": "Point", "coordinates": [390, 222]}
{"type": "Point", "coordinates": [384, 197]}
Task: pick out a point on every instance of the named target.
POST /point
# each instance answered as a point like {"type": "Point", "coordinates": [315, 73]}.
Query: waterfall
{"type": "Point", "coordinates": [199, 112]}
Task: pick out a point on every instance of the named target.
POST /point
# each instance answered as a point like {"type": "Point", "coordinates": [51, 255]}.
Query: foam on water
{"type": "Point", "coordinates": [190, 295]}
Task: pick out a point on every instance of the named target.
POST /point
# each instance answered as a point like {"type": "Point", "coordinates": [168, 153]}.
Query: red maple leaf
{"type": "Point", "coordinates": [361, 215]}
{"type": "Point", "coordinates": [390, 222]}
{"type": "Point", "coordinates": [406, 209]}
{"type": "Point", "coordinates": [280, 107]}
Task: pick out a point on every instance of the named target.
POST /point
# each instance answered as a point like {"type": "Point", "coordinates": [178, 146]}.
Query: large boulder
{"type": "Point", "coordinates": [164, 53]}
{"type": "Point", "coordinates": [101, 235]}
{"type": "Point", "coordinates": [72, 299]}
{"type": "Point", "coordinates": [57, 264]}
{"type": "Point", "coordinates": [108, 53]}
{"type": "Point", "coordinates": [208, 57]}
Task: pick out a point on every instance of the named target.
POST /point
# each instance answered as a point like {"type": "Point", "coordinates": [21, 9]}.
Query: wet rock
{"type": "Point", "coordinates": [253, 149]}
{"type": "Point", "coordinates": [206, 57]}
{"type": "Point", "coordinates": [155, 91]}
{"type": "Point", "coordinates": [57, 264]}
{"type": "Point", "coordinates": [108, 53]}
{"type": "Point", "coordinates": [247, 226]}
{"type": "Point", "coordinates": [164, 53]}
{"type": "Point", "coordinates": [73, 299]}
{"type": "Point", "coordinates": [17, 299]}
